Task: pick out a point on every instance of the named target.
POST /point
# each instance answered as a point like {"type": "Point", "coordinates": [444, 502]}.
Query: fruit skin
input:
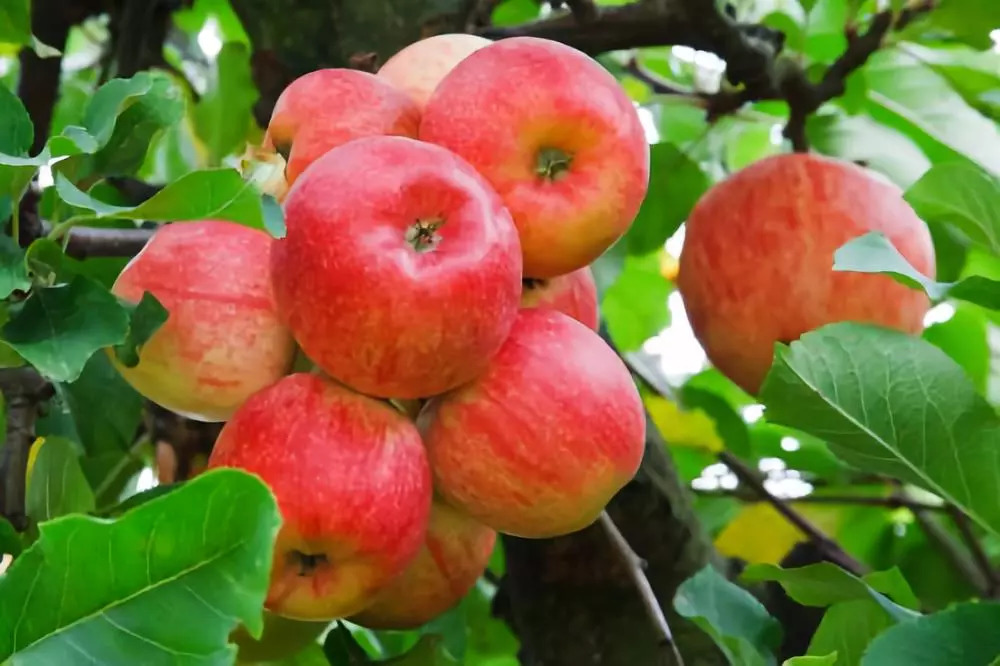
{"type": "Point", "coordinates": [574, 294]}
{"type": "Point", "coordinates": [222, 340]}
{"type": "Point", "coordinates": [455, 554]}
{"type": "Point", "coordinates": [757, 263]}
{"type": "Point", "coordinates": [352, 483]}
{"type": "Point", "coordinates": [367, 307]}
{"type": "Point", "coordinates": [538, 445]}
{"type": "Point", "coordinates": [329, 107]}
{"type": "Point", "coordinates": [282, 637]}
{"type": "Point", "coordinates": [562, 101]}
{"type": "Point", "coordinates": [418, 69]}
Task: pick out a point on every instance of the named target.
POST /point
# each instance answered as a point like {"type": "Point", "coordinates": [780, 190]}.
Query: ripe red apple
{"type": "Point", "coordinates": [351, 480]}
{"type": "Point", "coordinates": [282, 637]}
{"type": "Point", "coordinates": [539, 443]}
{"type": "Point", "coordinates": [328, 107]}
{"type": "Point", "coordinates": [400, 274]}
{"type": "Point", "coordinates": [574, 294]}
{"type": "Point", "coordinates": [222, 340]}
{"type": "Point", "coordinates": [454, 555]}
{"type": "Point", "coordinates": [757, 263]}
{"type": "Point", "coordinates": [556, 136]}
{"type": "Point", "coordinates": [418, 69]}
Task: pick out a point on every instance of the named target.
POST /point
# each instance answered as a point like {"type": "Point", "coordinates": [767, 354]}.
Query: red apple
{"type": "Point", "coordinates": [418, 69]}
{"type": "Point", "coordinates": [350, 476]}
{"type": "Point", "coordinates": [574, 294]}
{"type": "Point", "coordinates": [454, 555]}
{"type": "Point", "coordinates": [329, 107]}
{"type": "Point", "coordinates": [400, 274]}
{"type": "Point", "coordinates": [539, 443]}
{"type": "Point", "coordinates": [556, 136]}
{"type": "Point", "coordinates": [757, 263]}
{"type": "Point", "coordinates": [222, 340]}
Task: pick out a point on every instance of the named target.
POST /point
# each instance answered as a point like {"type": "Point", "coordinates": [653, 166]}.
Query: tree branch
{"type": "Point", "coordinates": [890, 502]}
{"type": "Point", "coordinates": [92, 242]}
{"type": "Point", "coordinates": [23, 390]}
{"type": "Point", "coordinates": [636, 568]}
{"type": "Point", "coordinates": [952, 550]}
{"type": "Point", "coordinates": [979, 556]}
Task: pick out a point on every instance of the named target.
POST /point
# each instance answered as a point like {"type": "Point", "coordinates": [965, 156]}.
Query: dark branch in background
{"type": "Point", "coordinates": [23, 390]}
{"type": "Point", "coordinates": [979, 556]}
{"type": "Point", "coordinates": [636, 567]}
{"type": "Point", "coordinates": [582, 10]}
{"type": "Point", "coordinates": [952, 550]}
{"type": "Point", "coordinates": [889, 502]}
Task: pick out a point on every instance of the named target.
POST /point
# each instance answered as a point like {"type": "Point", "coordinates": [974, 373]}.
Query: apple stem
{"type": "Point", "coordinates": [553, 163]}
{"type": "Point", "coordinates": [422, 235]}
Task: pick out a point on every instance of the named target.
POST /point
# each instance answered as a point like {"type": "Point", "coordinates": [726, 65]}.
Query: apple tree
{"type": "Point", "coordinates": [817, 375]}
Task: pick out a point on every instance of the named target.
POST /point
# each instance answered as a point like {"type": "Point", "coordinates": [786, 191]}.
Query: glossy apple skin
{"type": "Point", "coordinates": [418, 68]}
{"type": "Point", "coordinates": [282, 638]}
{"type": "Point", "coordinates": [222, 340]}
{"type": "Point", "coordinates": [574, 294]}
{"type": "Point", "coordinates": [352, 483]}
{"type": "Point", "coordinates": [329, 107]}
{"type": "Point", "coordinates": [367, 307]}
{"type": "Point", "coordinates": [502, 105]}
{"type": "Point", "coordinates": [454, 556]}
{"type": "Point", "coordinates": [757, 263]}
{"type": "Point", "coordinates": [538, 444]}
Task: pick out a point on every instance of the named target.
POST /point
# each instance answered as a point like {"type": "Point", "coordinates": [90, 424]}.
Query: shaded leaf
{"type": "Point", "coordinates": [145, 318]}
{"type": "Point", "coordinates": [15, 22]}
{"type": "Point", "coordinates": [849, 627]}
{"type": "Point", "coordinates": [342, 649]}
{"type": "Point", "coordinates": [13, 274]}
{"type": "Point", "coordinates": [10, 542]}
{"type": "Point", "coordinates": [57, 485]}
{"type": "Point", "coordinates": [894, 404]}
{"type": "Point", "coordinates": [635, 305]}
{"type": "Point", "coordinates": [16, 132]}
{"type": "Point", "coordinates": [223, 114]}
{"type": "Point", "coordinates": [429, 651]}
{"type": "Point", "coordinates": [59, 328]}
{"type": "Point", "coordinates": [210, 569]}
{"type": "Point", "coordinates": [967, 20]}
{"type": "Point", "coordinates": [964, 635]}
{"type": "Point", "coordinates": [99, 429]}
{"type": "Point", "coordinates": [962, 195]}
{"type": "Point", "coordinates": [736, 621]}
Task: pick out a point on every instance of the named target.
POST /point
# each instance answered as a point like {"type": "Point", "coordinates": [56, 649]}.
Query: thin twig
{"type": "Point", "coordinates": [864, 500]}
{"type": "Point", "coordinates": [979, 555]}
{"type": "Point", "coordinates": [636, 566]}
{"type": "Point", "coordinates": [952, 550]}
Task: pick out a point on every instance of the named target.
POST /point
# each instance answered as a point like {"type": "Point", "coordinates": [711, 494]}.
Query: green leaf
{"type": "Point", "coordinates": [874, 253]}
{"type": "Point", "coordinates": [973, 74]}
{"type": "Point", "coordinates": [849, 627]}
{"type": "Point", "coordinates": [210, 569]}
{"type": "Point", "coordinates": [429, 651]}
{"type": "Point", "coordinates": [967, 20]}
{"type": "Point", "coordinates": [219, 194]}
{"type": "Point", "coordinates": [736, 621]}
{"type": "Point", "coordinates": [342, 649]}
{"type": "Point", "coordinates": [894, 404]}
{"type": "Point", "coordinates": [102, 430]}
{"type": "Point", "coordinates": [10, 542]}
{"type": "Point", "coordinates": [145, 318]}
{"type": "Point", "coordinates": [635, 305]}
{"type": "Point", "coordinates": [16, 132]}
{"type": "Point", "coordinates": [824, 584]}
{"type": "Point", "coordinates": [57, 485]}
{"type": "Point", "coordinates": [964, 635]}
{"type": "Point", "coordinates": [676, 183]}
{"type": "Point", "coordinates": [60, 328]}
{"type": "Point", "coordinates": [825, 660]}
{"type": "Point", "coordinates": [223, 115]}
{"type": "Point", "coordinates": [13, 274]}
{"type": "Point", "coordinates": [513, 12]}
{"type": "Point", "coordinates": [963, 196]}
{"type": "Point", "coordinates": [15, 22]}
{"type": "Point", "coordinates": [730, 426]}
{"type": "Point", "coordinates": [748, 142]}
{"type": "Point", "coordinates": [964, 337]}
{"type": "Point", "coordinates": [825, 39]}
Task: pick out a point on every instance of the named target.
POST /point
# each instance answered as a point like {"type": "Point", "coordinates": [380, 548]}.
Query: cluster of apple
{"type": "Point", "coordinates": [414, 366]}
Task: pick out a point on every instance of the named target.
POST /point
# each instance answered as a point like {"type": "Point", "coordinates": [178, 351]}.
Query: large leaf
{"type": "Point", "coordinates": [201, 553]}
{"type": "Point", "coordinates": [736, 621]}
{"type": "Point", "coordinates": [974, 74]}
{"type": "Point", "coordinates": [59, 328]}
{"type": "Point", "coordinates": [57, 485]}
{"type": "Point", "coordinates": [223, 114]}
{"type": "Point", "coordinates": [963, 635]}
{"type": "Point", "coordinates": [892, 404]}
{"type": "Point", "coordinates": [635, 305]}
{"type": "Point", "coordinates": [961, 195]}
{"type": "Point", "coordinates": [849, 627]}
{"type": "Point", "coordinates": [874, 253]}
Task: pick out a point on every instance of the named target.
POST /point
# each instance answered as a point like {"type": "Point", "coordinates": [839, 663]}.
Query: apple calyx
{"type": "Point", "coordinates": [552, 163]}
{"type": "Point", "coordinates": [307, 563]}
{"type": "Point", "coordinates": [422, 235]}
{"type": "Point", "coordinates": [533, 283]}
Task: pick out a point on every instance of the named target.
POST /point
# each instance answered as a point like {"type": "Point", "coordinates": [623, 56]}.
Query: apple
{"type": "Point", "coordinates": [574, 294]}
{"type": "Point", "coordinates": [400, 273]}
{"type": "Point", "coordinates": [418, 69]}
{"type": "Point", "coordinates": [282, 637]}
{"type": "Point", "coordinates": [556, 136]}
{"type": "Point", "coordinates": [223, 339]}
{"type": "Point", "coordinates": [350, 476]}
{"type": "Point", "coordinates": [454, 556]}
{"type": "Point", "coordinates": [756, 267]}
{"type": "Point", "coordinates": [540, 442]}
{"type": "Point", "coordinates": [329, 107]}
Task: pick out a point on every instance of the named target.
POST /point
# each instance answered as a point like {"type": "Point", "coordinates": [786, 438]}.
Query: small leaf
{"type": "Point", "coordinates": [825, 660]}
{"type": "Point", "coordinates": [16, 132]}
{"type": "Point", "coordinates": [10, 541]}
{"type": "Point", "coordinates": [962, 195]}
{"type": "Point", "coordinates": [59, 328]}
{"type": "Point", "coordinates": [145, 318]}
{"type": "Point", "coordinates": [57, 485]}
{"type": "Point", "coordinates": [635, 305]}
{"type": "Point", "coordinates": [963, 635]}
{"type": "Point", "coordinates": [13, 274]}
{"type": "Point", "coordinates": [223, 114]}
{"type": "Point", "coordinates": [893, 404]}
{"type": "Point", "coordinates": [341, 648]}
{"type": "Point", "coordinates": [824, 584]}
{"type": "Point", "coordinates": [210, 569]}
{"type": "Point", "coordinates": [736, 621]}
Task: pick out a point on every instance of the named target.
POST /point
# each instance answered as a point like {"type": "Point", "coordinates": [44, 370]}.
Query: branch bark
{"type": "Point", "coordinates": [23, 390]}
